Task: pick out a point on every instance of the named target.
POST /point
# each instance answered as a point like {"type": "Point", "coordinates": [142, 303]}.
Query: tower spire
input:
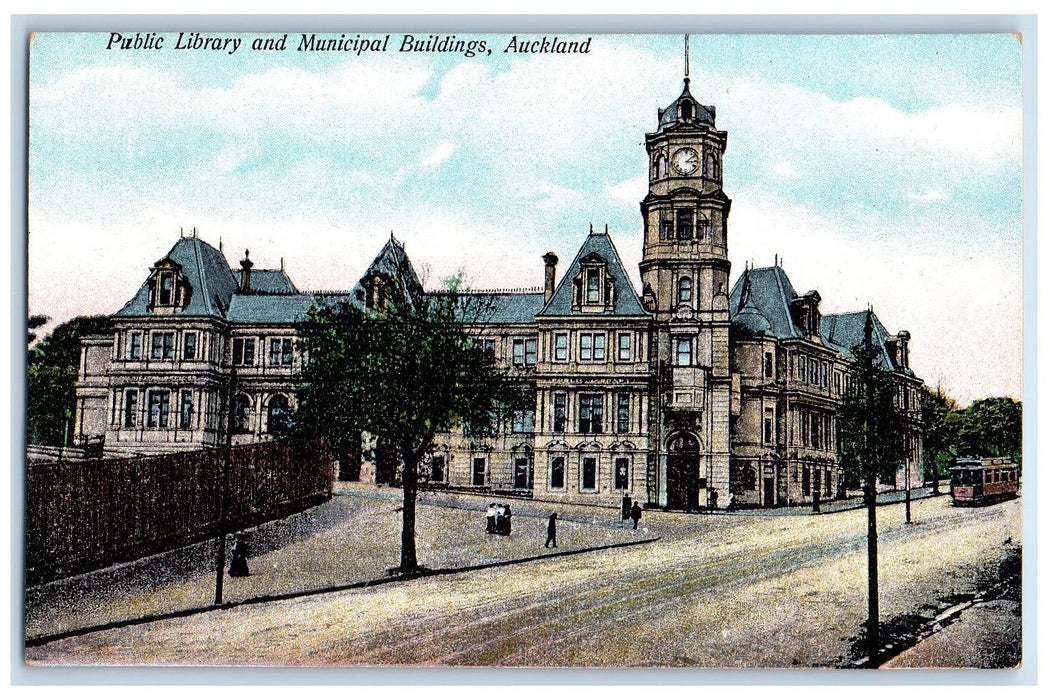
{"type": "Point", "coordinates": [686, 66]}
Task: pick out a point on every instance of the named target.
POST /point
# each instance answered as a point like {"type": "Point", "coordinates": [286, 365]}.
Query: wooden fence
{"type": "Point", "coordinates": [84, 515]}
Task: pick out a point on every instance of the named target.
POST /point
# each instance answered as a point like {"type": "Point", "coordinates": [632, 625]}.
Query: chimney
{"type": "Point", "coordinates": [245, 272]}
{"type": "Point", "coordinates": [550, 259]}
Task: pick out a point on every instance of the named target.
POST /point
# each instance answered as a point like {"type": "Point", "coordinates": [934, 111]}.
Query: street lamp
{"type": "Point", "coordinates": [220, 557]}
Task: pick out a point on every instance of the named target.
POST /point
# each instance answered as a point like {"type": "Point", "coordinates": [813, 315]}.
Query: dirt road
{"type": "Point", "coordinates": [743, 591]}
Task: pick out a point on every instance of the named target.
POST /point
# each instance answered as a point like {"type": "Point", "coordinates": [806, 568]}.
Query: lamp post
{"type": "Point", "coordinates": [220, 557]}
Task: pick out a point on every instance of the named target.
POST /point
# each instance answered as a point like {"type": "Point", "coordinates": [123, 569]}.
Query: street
{"type": "Point", "coordinates": [745, 590]}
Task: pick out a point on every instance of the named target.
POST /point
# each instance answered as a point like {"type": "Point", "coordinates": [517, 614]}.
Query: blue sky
{"type": "Point", "coordinates": [881, 169]}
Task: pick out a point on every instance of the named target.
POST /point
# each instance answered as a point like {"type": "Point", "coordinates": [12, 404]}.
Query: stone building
{"type": "Point", "coordinates": [687, 395]}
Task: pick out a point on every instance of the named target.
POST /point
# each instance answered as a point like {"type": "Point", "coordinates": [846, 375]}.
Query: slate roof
{"type": "Point", "coordinates": [845, 331]}
{"type": "Point", "coordinates": [626, 301]}
{"type": "Point", "coordinates": [272, 282]}
{"type": "Point", "coordinates": [502, 307]}
{"type": "Point", "coordinates": [763, 295]}
{"type": "Point", "coordinates": [392, 262]}
{"type": "Point", "coordinates": [211, 283]}
{"type": "Point", "coordinates": [703, 113]}
{"type": "Point", "coordinates": [769, 293]}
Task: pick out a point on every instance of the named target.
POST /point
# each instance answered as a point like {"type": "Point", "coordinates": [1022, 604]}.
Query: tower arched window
{"type": "Point", "coordinates": [661, 166]}
{"type": "Point", "coordinates": [686, 110]}
{"type": "Point", "coordinates": [276, 414]}
{"type": "Point", "coordinates": [684, 290]}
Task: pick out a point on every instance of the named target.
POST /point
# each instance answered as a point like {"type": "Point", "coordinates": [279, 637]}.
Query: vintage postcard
{"type": "Point", "coordinates": [556, 350]}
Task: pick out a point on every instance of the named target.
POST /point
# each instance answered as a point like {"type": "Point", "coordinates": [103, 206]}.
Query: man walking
{"type": "Point", "coordinates": [551, 531]}
{"type": "Point", "coordinates": [635, 513]}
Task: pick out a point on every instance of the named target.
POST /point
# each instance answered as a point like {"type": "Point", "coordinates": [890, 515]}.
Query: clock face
{"type": "Point", "coordinates": [686, 161]}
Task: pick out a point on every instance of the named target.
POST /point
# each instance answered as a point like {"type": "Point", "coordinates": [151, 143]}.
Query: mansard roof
{"type": "Point", "coordinates": [844, 332]}
{"type": "Point", "coordinates": [210, 282]}
{"type": "Point", "coordinates": [272, 282]}
{"type": "Point", "coordinates": [626, 301]}
{"type": "Point", "coordinates": [769, 293]}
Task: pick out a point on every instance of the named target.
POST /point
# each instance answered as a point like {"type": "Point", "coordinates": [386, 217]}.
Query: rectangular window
{"type": "Point", "coordinates": [683, 351]}
{"type": "Point", "coordinates": [769, 365]}
{"type": "Point", "coordinates": [589, 473]}
{"type": "Point", "coordinates": [560, 347]}
{"type": "Point", "coordinates": [823, 370]}
{"type": "Point", "coordinates": [518, 352]}
{"type": "Point", "coordinates": [167, 284]}
{"type": "Point", "coordinates": [521, 473]}
{"type": "Point", "coordinates": [244, 351]}
{"type": "Point", "coordinates": [622, 412]}
{"type": "Point", "coordinates": [479, 470]}
{"type": "Point", "coordinates": [134, 349]}
{"type": "Point", "coordinates": [685, 224]}
{"type": "Point", "coordinates": [436, 468]}
{"type": "Point", "coordinates": [159, 408]}
{"type": "Point", "coordinates": [280, 352]}
{"type": "Point", "coordinates": [592, 286]}
{"type": "Point", "coordinates": [489, 347]}
{"type": "Point", "coordinates": [592, 347]}
{"type": "Point", "coordinates": [185, 413]}
{"type": "Point", "coordinates": [524, 421]}
{"type": "Point", "coordinates": [666, 229]}
{"type": "Point", "coordinates": [837, 383]}
{"type": "Point", "coordinates": [531, 354]}
{"type": "Point", "coordinates": [560, 413]}
{"type": "Point", "coordinates": [769, 426]}
{"type": "Point", "coordinates": [131, 408]}
{"type": "Point", "coordinates": [591, 414]}
{"type": "Point", "coordinates": [189, 346]}
{"type": "Point", "coordinates": [556, 473]}
{"type": "Point", "coordinates": [801, 370]}
{"type": "Point", "coordinates": [624, 346]}
{"type": "Point", "coordinates": [163, 346]}
{"type": "Point", "coordinates": [622, 473]}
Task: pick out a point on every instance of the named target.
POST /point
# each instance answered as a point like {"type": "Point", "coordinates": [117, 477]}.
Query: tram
{"type": "Point", "coordinates": [976, 482]}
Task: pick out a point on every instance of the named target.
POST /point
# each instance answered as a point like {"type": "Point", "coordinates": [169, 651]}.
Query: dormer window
{"type": "Point", "coordinates": [167, 287]}
{"type": "Point", "coordinates": [593, 286]}
{"type": "Point", "coordinates": [687, 110]}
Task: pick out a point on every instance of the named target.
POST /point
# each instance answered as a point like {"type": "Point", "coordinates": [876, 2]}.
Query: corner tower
{"type": "Point", "coordinates": [684, 271]}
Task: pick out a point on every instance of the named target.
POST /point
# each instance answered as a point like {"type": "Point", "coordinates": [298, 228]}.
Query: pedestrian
{"type": "Point", "coordinates": [238, 567]}
{"type": "Point", "coordinates": [635, 513]}
{"type": "Point", "coordinates": [491, 518]}
{"type": "Point", "coordinates": [713, 499]}
{"type": "Point", "coordinates": [626, 505]}
{"type": "Point", "coordinates": [507, 520]}
{"type": "Point", "coordinates": [551, 531]}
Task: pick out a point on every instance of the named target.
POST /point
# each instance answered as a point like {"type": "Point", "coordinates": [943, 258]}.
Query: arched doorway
{"type": "Point", "coordinates": [682, 472]}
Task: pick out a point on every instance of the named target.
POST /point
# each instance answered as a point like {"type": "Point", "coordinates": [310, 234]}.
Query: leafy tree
{"type": "Point", "coordinates": [402, 376]}
{"type": "Point", "coordinates": [51, 378]}
{"type": "Point", "coordinates": [992, 428]}
{"type": "Point", "coordinates": [940, 416]}
{"type": "Point", "coordinates": [35, 322]}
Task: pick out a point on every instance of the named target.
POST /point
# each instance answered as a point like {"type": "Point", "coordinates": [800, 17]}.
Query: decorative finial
{"type": "Point", "coordinates": [605, 228]}
{"type": "Point", "coordinates": [591, 228]}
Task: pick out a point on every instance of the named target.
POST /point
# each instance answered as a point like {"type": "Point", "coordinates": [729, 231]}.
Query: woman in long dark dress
{"type": "Point", "coordinates": [238, 567]}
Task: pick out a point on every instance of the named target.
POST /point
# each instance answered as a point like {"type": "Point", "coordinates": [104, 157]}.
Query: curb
{"type": "Point", "coordinates": [257, 600]}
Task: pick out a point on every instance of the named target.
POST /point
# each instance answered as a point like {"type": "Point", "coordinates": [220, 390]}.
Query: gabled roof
{"type": "Point", "coordinates": [211, 284]}
{"type": "Point", "coordinates": [769, 293]}
{"type": "Point", "coordinates": [626, 301]}
{"type": "Point", "coordinates": [392, 263]}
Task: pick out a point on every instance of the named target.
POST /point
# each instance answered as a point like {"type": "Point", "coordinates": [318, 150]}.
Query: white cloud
{"type": "Point", "coordinates": [785, 169]}
{"type": "Point", "coordinates": [928, 195]}
{"type": "Point", "coordinates": [629, 191]}
{"type": "Point", "coordinates": [437, 155]}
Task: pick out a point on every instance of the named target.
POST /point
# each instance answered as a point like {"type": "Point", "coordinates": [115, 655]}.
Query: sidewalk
{"type": "Point", "coordinates": [353, 538]}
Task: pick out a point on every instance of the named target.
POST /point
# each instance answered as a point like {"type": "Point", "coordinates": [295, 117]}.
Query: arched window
{"type": "Point", "coordinates": [684, 290]}
{"type": "Point", "coordinates": [711, 165]}
{"type": "Point", "coordinates": [242, 414]}
{"type": "Point", "coordinates": [276, 415]}
{"type": "Point", "coordinates": [661, 166]}
{"type": "Point", "coordinates": [685, 110]}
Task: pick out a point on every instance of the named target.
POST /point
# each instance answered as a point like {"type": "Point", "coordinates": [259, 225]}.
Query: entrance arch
{"type": "Point", "coordinates": [682, 472]}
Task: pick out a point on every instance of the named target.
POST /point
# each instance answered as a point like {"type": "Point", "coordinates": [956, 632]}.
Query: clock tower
{"type": "Point", "coordinates": [684, 272]}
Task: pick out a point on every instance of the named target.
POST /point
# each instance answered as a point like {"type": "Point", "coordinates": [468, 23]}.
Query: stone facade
{"type": "Point", "coordinates": [684, 396]}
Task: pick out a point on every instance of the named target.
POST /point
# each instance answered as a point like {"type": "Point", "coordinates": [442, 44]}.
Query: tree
{"type": "Point", "coordinates": [872, 446]}
{"type": "Point", "coordinates": [51, 378]}
{"type": "Point", "coordinates": [939, 416]}
{"type": "Point", "coordinates": [35, 322]}
{"type": "Point", "coordinates": [402, 375]}
{"type": "Point", "coordinates": [992, 428]}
